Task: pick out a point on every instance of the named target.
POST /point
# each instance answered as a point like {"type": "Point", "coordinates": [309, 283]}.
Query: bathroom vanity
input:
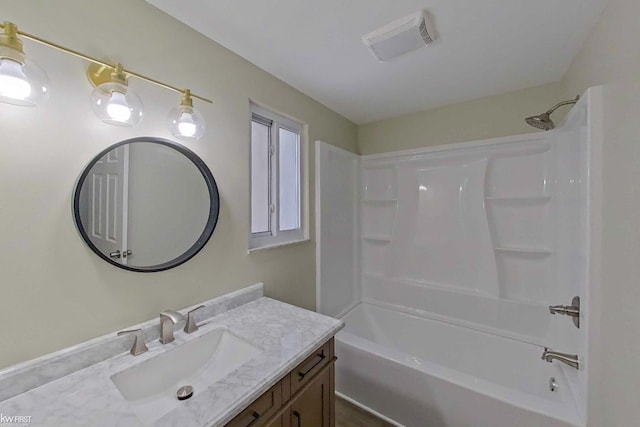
{"type": "Point", "coordinates": [253, 361]}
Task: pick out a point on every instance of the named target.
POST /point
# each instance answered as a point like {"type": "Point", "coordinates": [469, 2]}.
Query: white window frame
{"type": "Point", "coordinates": [275, 237]}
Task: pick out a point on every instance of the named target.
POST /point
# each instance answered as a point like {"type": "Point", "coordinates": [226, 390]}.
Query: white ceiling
{"type": "Point", "coordinates": [483, 47]}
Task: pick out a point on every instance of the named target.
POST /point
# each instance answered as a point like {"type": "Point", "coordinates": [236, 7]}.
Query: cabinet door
{"type": "Point", "coordinates": [313, 407]}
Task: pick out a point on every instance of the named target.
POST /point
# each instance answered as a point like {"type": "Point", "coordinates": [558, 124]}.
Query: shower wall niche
{"type": "Point", "coordinates": [520, 209]}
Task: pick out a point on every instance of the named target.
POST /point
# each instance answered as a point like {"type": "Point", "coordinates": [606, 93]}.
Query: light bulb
{"type": "Point", "coordinates": [114, 103]}
{"type": "Point", "coordinates": [13, 81]}
{"type": "Point", "coordinates": [186, 126]}
{"type": "Point", "coordinates": [21, 81]}
{"type": "Point", "coordinates": [117, 107]}
{"type": "Point", "coordinates": [185, 122]}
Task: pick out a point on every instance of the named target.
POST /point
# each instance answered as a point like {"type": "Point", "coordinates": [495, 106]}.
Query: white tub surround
{"type": "Point", "coordinates": [459, 252]}
{"type": "Point", "coordinates": [74, 387]}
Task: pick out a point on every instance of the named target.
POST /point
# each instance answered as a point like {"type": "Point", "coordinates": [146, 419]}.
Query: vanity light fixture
{"type": "Point", "coordinates": [185, 122]}
{"type": "Point", "coordinates": [24, 83]}
{"type": "Point", "coordinates": [21, 83]}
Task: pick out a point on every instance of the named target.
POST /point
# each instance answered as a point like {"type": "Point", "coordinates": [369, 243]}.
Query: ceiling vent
{"type": "Point", "coordinates": [402, 36]}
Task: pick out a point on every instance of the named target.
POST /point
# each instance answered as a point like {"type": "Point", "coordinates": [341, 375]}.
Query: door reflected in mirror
{"type": "Point", "coordinates": [146, 204]}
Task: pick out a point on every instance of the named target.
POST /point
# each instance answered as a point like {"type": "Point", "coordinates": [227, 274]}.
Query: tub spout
{"type": "Point", "coordinates": [568, 359]}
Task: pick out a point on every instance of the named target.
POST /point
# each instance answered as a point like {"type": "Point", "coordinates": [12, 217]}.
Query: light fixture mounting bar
{"type": "Point", "coordinates": [103, 63]}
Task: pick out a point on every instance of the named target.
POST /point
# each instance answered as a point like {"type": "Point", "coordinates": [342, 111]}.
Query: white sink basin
{"type": "Point", "coordinates": [151, 386]}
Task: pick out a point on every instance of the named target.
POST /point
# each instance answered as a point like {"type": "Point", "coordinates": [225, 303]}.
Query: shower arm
{"type": "Point", "coordinates": [560, 104]}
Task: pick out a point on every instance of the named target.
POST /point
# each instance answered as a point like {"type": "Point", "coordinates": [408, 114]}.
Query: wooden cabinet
{"type": "Point", "coordinates": [305, 397]}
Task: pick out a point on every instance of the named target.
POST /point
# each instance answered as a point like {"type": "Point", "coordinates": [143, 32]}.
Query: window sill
{"type": "Point", "coordinates": [278, 245]}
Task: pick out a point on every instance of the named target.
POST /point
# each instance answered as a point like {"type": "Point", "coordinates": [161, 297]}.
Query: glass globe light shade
{"type": "Point", "coordinates": [115, 104]}
{"type": "Point", "coordinates": [186, 123]}
{"type": "Point", "coordinates": [22, 84]}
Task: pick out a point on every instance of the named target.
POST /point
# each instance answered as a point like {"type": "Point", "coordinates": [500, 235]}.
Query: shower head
{"type": "Point", "coordinates": [543, 121]}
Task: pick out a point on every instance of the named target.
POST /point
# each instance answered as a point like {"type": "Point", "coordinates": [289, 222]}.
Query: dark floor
{"type": "Point", "coordinates": [348, 415]}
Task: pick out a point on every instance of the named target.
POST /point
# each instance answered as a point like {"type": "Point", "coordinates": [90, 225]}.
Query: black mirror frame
{"type": "Point", "coordinates": [214, 205]}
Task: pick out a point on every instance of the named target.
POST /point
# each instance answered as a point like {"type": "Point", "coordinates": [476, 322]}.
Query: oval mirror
{"type": "Point", "coordinates": [146, 204]}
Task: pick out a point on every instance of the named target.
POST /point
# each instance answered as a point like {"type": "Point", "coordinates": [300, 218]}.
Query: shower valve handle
{"type": "Point", "coordinates": [572, 310]}
{"type": "Point", "coordinates": [567, 310]}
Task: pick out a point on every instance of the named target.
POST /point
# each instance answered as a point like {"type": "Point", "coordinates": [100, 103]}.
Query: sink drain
{"type": "Point", "coordinates": [185, 392]}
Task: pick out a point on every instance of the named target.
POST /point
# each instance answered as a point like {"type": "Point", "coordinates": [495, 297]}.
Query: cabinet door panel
{"type": "Point", "coordinates": [313, 407]}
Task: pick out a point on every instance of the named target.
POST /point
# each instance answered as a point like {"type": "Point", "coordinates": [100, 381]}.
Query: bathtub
{"type": "Point", "coordinates": [417, 371]}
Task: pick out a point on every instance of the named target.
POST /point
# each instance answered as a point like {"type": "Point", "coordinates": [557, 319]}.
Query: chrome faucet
{"type": "Point", "coordinates": [168, 318]}
{"type": "Point", "coordinates": [569, 359]}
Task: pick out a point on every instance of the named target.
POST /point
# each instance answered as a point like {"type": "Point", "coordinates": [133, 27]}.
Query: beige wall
{"type": "Point", "coordinates": [610, 57]}
{"type": "Point", "coordinates": [54, 291]}
{"type": "Point", "coordinates": [488, 117]}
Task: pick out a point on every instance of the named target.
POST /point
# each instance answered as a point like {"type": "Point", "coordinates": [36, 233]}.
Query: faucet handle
{"type": "Point", "coordinates": [190, 327]}
{"type": "Point", "coordinates": [139, 345]}
{"type": "Point", "coordinates": [572, 310]}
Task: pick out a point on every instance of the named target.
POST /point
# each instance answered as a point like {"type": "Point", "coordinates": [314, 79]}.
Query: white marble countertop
{"type": "Point", "coordinates": [286, 335]}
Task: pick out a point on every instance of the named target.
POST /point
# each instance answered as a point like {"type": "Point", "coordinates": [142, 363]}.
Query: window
{"type": "Point", "coordinates": [276, 180]}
